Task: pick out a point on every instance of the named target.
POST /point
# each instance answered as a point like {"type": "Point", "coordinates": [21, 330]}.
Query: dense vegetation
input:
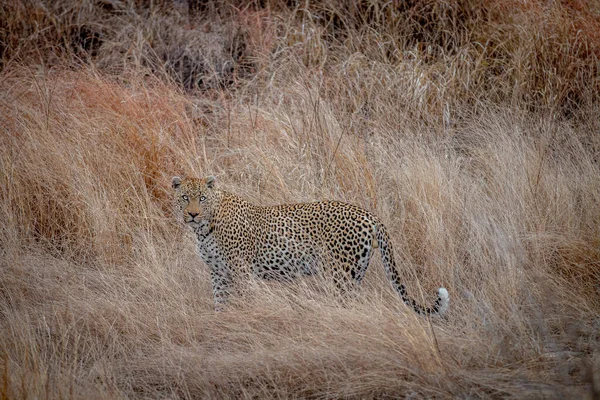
{"type": "Point", "coordinates": [469, 126]}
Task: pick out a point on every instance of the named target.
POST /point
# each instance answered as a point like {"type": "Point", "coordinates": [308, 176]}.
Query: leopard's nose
{"type": "Point", "coordinates": [193, 215]}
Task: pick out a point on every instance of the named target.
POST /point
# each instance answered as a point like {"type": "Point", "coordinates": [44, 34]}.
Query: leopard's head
{"type": "Point", "coordinates": [195, 199]}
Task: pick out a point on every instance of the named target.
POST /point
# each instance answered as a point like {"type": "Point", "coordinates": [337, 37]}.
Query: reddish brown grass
{"type": "Point", "coordinates": [477, 146]}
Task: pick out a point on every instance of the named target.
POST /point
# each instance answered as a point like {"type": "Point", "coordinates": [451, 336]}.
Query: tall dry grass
{"type": "Point", "coordinates": [488, 182]}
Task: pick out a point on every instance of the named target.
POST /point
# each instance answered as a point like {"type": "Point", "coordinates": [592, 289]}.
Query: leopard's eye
{"type": "Point", "coordinates": [202, 198]}
{"type": "Point", "coordinates": [184, 197]}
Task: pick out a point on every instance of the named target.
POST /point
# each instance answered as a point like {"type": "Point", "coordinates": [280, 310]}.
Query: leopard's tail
{"type": "Point", "coordinates": [440, 305]}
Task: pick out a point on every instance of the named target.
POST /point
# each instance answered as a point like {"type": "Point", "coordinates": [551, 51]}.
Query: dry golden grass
{"type": "Point", "coordinates": [483, 166]}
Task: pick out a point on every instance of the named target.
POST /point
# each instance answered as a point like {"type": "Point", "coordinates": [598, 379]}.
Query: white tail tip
{"type": "Point", "coordinates": [444, 301]}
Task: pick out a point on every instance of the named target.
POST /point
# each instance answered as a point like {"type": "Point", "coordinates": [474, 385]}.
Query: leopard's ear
{"type": "Point", "coordinates": [210, 182]}
{"type": "Point", "coordinates": [176, 182]}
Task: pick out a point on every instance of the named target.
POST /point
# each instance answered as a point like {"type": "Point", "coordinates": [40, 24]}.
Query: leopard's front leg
{"type": "Point", "coordinates": [222, 282]}
{"type": "Point", "coordinates": [220, 270]}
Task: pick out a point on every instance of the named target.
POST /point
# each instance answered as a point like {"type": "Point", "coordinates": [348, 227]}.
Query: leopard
{"type": "Point", "coordinates": [286, 241]}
